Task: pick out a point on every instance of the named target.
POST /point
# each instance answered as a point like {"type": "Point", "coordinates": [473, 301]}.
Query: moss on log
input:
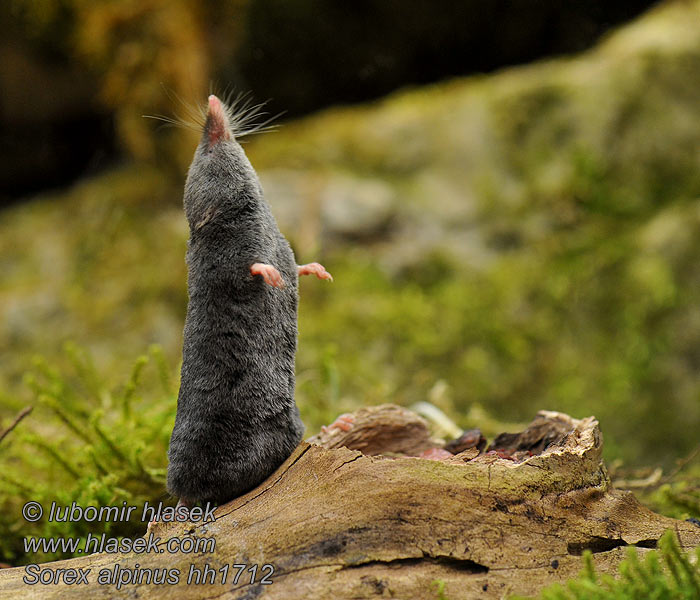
{"type": "Point", "coordinates": [334, 522]}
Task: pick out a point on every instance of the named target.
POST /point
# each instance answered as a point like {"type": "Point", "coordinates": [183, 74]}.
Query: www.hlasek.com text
{"type": "Point", "coordinates": [113, 545]}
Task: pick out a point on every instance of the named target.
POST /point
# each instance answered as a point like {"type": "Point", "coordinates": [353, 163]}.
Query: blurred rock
{"type": "Point", "coordinates": [357, 209]}
{"type": "Point", "coordinates": [483, 167]}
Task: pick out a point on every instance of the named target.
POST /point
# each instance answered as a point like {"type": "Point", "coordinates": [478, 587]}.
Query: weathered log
{"type": "Point", "coordinates": [334, 522]}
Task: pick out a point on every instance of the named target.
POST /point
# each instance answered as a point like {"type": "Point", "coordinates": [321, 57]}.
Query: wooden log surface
{"type": "Point", "coordinates": [333, 522]}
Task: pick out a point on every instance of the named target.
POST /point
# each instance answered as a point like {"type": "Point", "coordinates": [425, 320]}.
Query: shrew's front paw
{"type": "Point", "coordinates": [314, 269]}
{"type": "Point", "coordinates": [269, 273]}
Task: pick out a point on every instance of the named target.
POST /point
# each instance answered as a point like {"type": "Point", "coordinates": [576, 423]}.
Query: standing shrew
{"type": "Point", "coordinates": [236, 417]}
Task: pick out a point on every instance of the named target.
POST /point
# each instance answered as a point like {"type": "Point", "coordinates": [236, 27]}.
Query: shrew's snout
{"type": "Point", "coordinates": [217, 127]}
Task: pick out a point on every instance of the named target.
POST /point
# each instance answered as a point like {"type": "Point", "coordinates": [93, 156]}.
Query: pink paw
{"type": "Point", "coordinates": [270, 274]}
{"type": "Point", "coordinates": [314, 269]}
{"type": "Point", "coordinates": [436, 454]}
{"type": "Point", "coordinates": [343, 422]}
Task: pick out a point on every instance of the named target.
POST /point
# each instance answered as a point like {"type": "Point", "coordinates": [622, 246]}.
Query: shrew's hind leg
{"type": "Point", "coordinates": [181, 504]}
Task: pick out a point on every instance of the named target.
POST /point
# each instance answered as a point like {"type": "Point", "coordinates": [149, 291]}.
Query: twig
{"type": "Point", "coordinates": [680, 465]}
{"type": "Point", "coordinates": [651, 481]}
{"type": "Point", "coordinates": [14, 424]}
{"type": "Point", "coordinates": [655, 480]}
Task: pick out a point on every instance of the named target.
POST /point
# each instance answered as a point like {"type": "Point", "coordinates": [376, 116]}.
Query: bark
{"type": "Point", "coordinates": [338, 523]}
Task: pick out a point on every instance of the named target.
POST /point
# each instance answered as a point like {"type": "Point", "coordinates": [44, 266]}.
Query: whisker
{"type": "Point", "coordinates": [245, 117]}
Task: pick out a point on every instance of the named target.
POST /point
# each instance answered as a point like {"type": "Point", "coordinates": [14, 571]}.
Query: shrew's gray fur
{"type": "Point", "coordinates": [236, 416]}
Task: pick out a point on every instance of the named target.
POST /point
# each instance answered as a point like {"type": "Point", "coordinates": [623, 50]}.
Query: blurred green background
{"type": "Point", "coordinates": [507, 195]}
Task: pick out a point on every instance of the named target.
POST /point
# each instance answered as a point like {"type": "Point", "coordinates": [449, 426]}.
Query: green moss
{"type": "Point", "coordinates": [439, 587]}
{"type": "Point", "coordinates": [679, 495]}
{"type": "Point", "coordinates": [88, 443]}
{"type": "Point", "coordinates": [666, 573]}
